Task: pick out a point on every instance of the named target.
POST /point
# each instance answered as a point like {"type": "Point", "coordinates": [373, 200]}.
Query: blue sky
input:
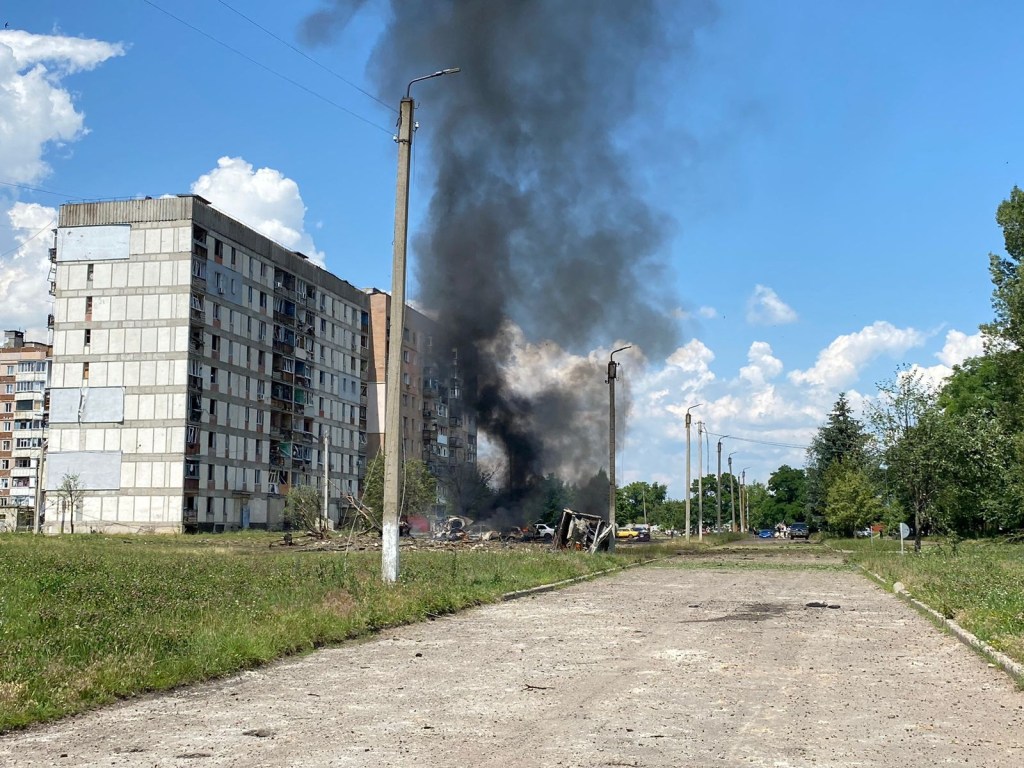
{"type": "Point", "coordinates": [831, 172]}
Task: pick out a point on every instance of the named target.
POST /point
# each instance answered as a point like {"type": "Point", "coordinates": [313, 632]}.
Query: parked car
{"type": "Point", "coordinates": [799, 531]}
{"type": "Point", "coordinates": [544, 531]}
{"type": "Point", "coordinates": [863, 533]}
{"type": "Point", "coordinates": [766, 533]}
{"type": "Point", "coordinates": [626, 532]}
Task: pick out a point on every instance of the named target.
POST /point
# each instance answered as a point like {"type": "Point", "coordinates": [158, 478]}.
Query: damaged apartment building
{"type": "Point", "coordinates": [200, 371]}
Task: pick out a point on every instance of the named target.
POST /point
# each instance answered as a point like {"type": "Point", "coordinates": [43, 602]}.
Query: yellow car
{"type": "Point", "coordinates": [626, 533]}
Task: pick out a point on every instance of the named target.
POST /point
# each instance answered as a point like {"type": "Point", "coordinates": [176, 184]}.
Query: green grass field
{"type": "Point", "coordinates": [88, 619]}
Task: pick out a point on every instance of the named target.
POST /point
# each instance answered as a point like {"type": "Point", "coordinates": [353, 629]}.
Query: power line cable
{"type": "Point", "coordinates": [309, 58]}
{"type": "Point", "coordinates": [37, 234]}
{"type": "Point", "coordinates": [761, 442]}
{"type": "Point", "coordinates": [15, 184]}
{"type": "Point", "coordinates": [274, 72]}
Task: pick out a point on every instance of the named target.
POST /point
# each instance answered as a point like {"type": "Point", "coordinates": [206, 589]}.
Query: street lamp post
{"type": "Point", "coordinates": [718, 486]}
{"type": "Point", "coordinates": [732, 494]}
{"type": "Point", "coordinates": [37, 512]}
{"type": "Point", "coordinates": [612, 371]}
{"type": "Point", "coordinates": [700, 481]}
{"type": "Point", "coordinates": [744, 502]}
{"type": "Point", "coordinates": [688, 468]}
{"type": "Point", "coordinates": [393, 443]}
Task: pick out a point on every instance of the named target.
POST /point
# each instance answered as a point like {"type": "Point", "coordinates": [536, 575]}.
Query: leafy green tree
{"type": "Point", "coordinates": [548, 498]}
{"type": "Point", "coordinates": [639, 501]}
{"type": "Point", "coordinates": [70, 494]}
{"type": "Point", "coordinates": [851, 502]}
{"type": "Point", "coordinates": [841, 440]}
{"type": "Point", "coordinates": [671, 515]}
{"type": "Point", "coordinates": [764, 512]}
{"type": "Point", "coordinates": [417, 489]}
{"type": "Point", "coordinates": [787, 489]}
{"type": "Point", "coordinates": [915, 441]}
{"type": "Point", "coordinates": [303, 510]}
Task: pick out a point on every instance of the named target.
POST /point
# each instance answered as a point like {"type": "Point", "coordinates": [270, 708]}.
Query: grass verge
{"type": "Point", "coordinates": [85, 620]}
{"type": "Point", "coordinates": [978, 584]}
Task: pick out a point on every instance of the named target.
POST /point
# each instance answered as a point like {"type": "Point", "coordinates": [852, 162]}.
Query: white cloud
{"type": "Point", "coordinates": [264, 199]}
{"type": "Point", "coordinates": [764, 307]}
{"type": "Point", "coordinates": [36, 111]}
{"type": "Point", "coordinates": [840, 363]}
{"type": "Point", "coordinates": [763, 364]}
{"type": "Point", "coordinates": [959, 346]}
{"type": "Point", "coordinates": [708, 313]}
{"type": "Point", "coordinates": [24, 271]}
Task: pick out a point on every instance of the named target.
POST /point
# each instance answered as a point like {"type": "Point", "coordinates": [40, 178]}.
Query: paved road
{"type": "Point", "coordinates": [659, 666]}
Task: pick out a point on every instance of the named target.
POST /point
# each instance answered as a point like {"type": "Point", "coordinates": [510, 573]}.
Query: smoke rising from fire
{"type": "Point", "coordinates": [535, 221]}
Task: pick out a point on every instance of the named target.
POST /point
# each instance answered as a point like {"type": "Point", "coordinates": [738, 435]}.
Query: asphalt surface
{"type": "Point", "coordinates": [657, 666]}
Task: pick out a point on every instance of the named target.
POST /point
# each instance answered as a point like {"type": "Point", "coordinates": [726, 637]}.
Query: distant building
{"type": "Point", "coordinates": [436, 427]}
{"type": "Point", "coordinates": [197, 368]}
{"type": "Point", "coordinates": [24, 369]}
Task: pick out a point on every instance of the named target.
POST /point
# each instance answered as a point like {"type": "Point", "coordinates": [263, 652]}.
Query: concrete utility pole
{"type": "Point", "coordinates": [393, 439]}
{"type": "Point", "coordinates": [38, 511]}
{"type": "Point", "coordinates": [718, 487]}
{"type": "Point", "coordinates": [744, 517]}
{"type": "Point", "coordinates": [732, 495]}
{"type": "Point", "coordinates": [688, 469]}
{"type": "Point", "coordinates": [327, 476]}
{"type": "Point", "coordinates": [700, 482]}
{"type": "Point", "coordinates": [612, 370]}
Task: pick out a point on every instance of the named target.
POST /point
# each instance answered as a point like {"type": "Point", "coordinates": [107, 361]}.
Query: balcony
{"type": "Point", "coordinates": [53, 255]}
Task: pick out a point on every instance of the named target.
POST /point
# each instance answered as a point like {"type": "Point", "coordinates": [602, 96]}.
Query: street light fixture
{"type": "Point", "coordinates": [698, 405]}
{"type": "Point", "coordinates": [612, 371]}
{"type": "Point", "coordinates": [393, 443]}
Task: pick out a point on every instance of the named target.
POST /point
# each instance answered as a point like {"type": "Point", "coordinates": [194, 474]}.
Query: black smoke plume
{"type": "Point", "coordinates": [535, 219]}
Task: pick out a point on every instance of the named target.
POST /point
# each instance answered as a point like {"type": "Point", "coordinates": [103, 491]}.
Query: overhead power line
{"type": "Point", "coordinates": [37, 234]}
{"type": "Point", "coordinates": [15, 184]}
{"type": "Point", "coordinates": [274, 72]}
{"type": "Point", "coordinates": [309, 58]}
{"type": "Point", "coordinates": [759, 442]}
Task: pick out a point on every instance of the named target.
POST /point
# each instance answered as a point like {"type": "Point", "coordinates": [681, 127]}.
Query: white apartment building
{"type": "Point", "coordinates": [197, 368]}
{"type": "Point", "coordinates": [24, 367]}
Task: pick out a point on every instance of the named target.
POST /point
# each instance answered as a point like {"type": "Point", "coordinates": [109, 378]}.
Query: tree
{"type": "Point", "coordinates": [787, 488]}
{"type": "Point", "coordinates": [851, 502]}
{"type": "Point", "coordinates": [764, 513]}
{"type": "Point", "coordinates": [303, 510]}
{"type": "Point", "coordinates": [639, 501]}
{"type": "Point", "coordinates": [70, 495]}
{"type": "Point", "coordinates": [841, 440]}
{"type": "Point", "coordinates": [468, 490]}
{"type": "Point", "coordinates": [915, 442]}
{"type": "Point", "coordinates": [417, 488]}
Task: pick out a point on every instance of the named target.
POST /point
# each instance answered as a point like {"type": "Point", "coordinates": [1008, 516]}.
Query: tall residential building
{"type": "Point", "coordinates": [24, 367]}
{"type": "Point", "coordinates": [197, 369]}
{"type": "Point", "coordinates": [436, 427]}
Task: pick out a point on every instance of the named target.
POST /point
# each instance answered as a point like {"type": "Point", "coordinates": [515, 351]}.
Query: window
{"type": "Point", "coordinates": [10, 370]}
{"type": "Point", "coordinates": [88, 307]}
{"type": "Point", "coordinates": [88, 336]}
{"type": "Point", "coordinates": [252, 294]}
{"type": "Point", "coordinates": [192, 435]}
{"type": "Point", "coordinates": [216, 310]}
{"type": "Point", "coordinates": [213, 375]}
{"type": "Point", "coordinates": [259, 418]}
{"type": "Point", "coordinates": [5, 463]}
{"type": "Point", "coordinates": [263, 331]}
{"type": "Point", "coordinates": [8, 407]}
{"type": "Point", "coordinates": [215, 343]}
{"type": "Point", "coordinates": [213, 407]}
{"type": "Point", "coordinates": [9, 389]}
{"type": "Point", "coordinates": [211, 441]}
{"type": "Point", "coordinates": [263, 300]}
{"type": "Point", "coordinates": [218, 248]}
{"type": "Point", "coordinates": [85, 371]}
{"type": "Point", "coordinates": [5, 445]}
{"type": "Point", "coordinates": [89, 272]}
